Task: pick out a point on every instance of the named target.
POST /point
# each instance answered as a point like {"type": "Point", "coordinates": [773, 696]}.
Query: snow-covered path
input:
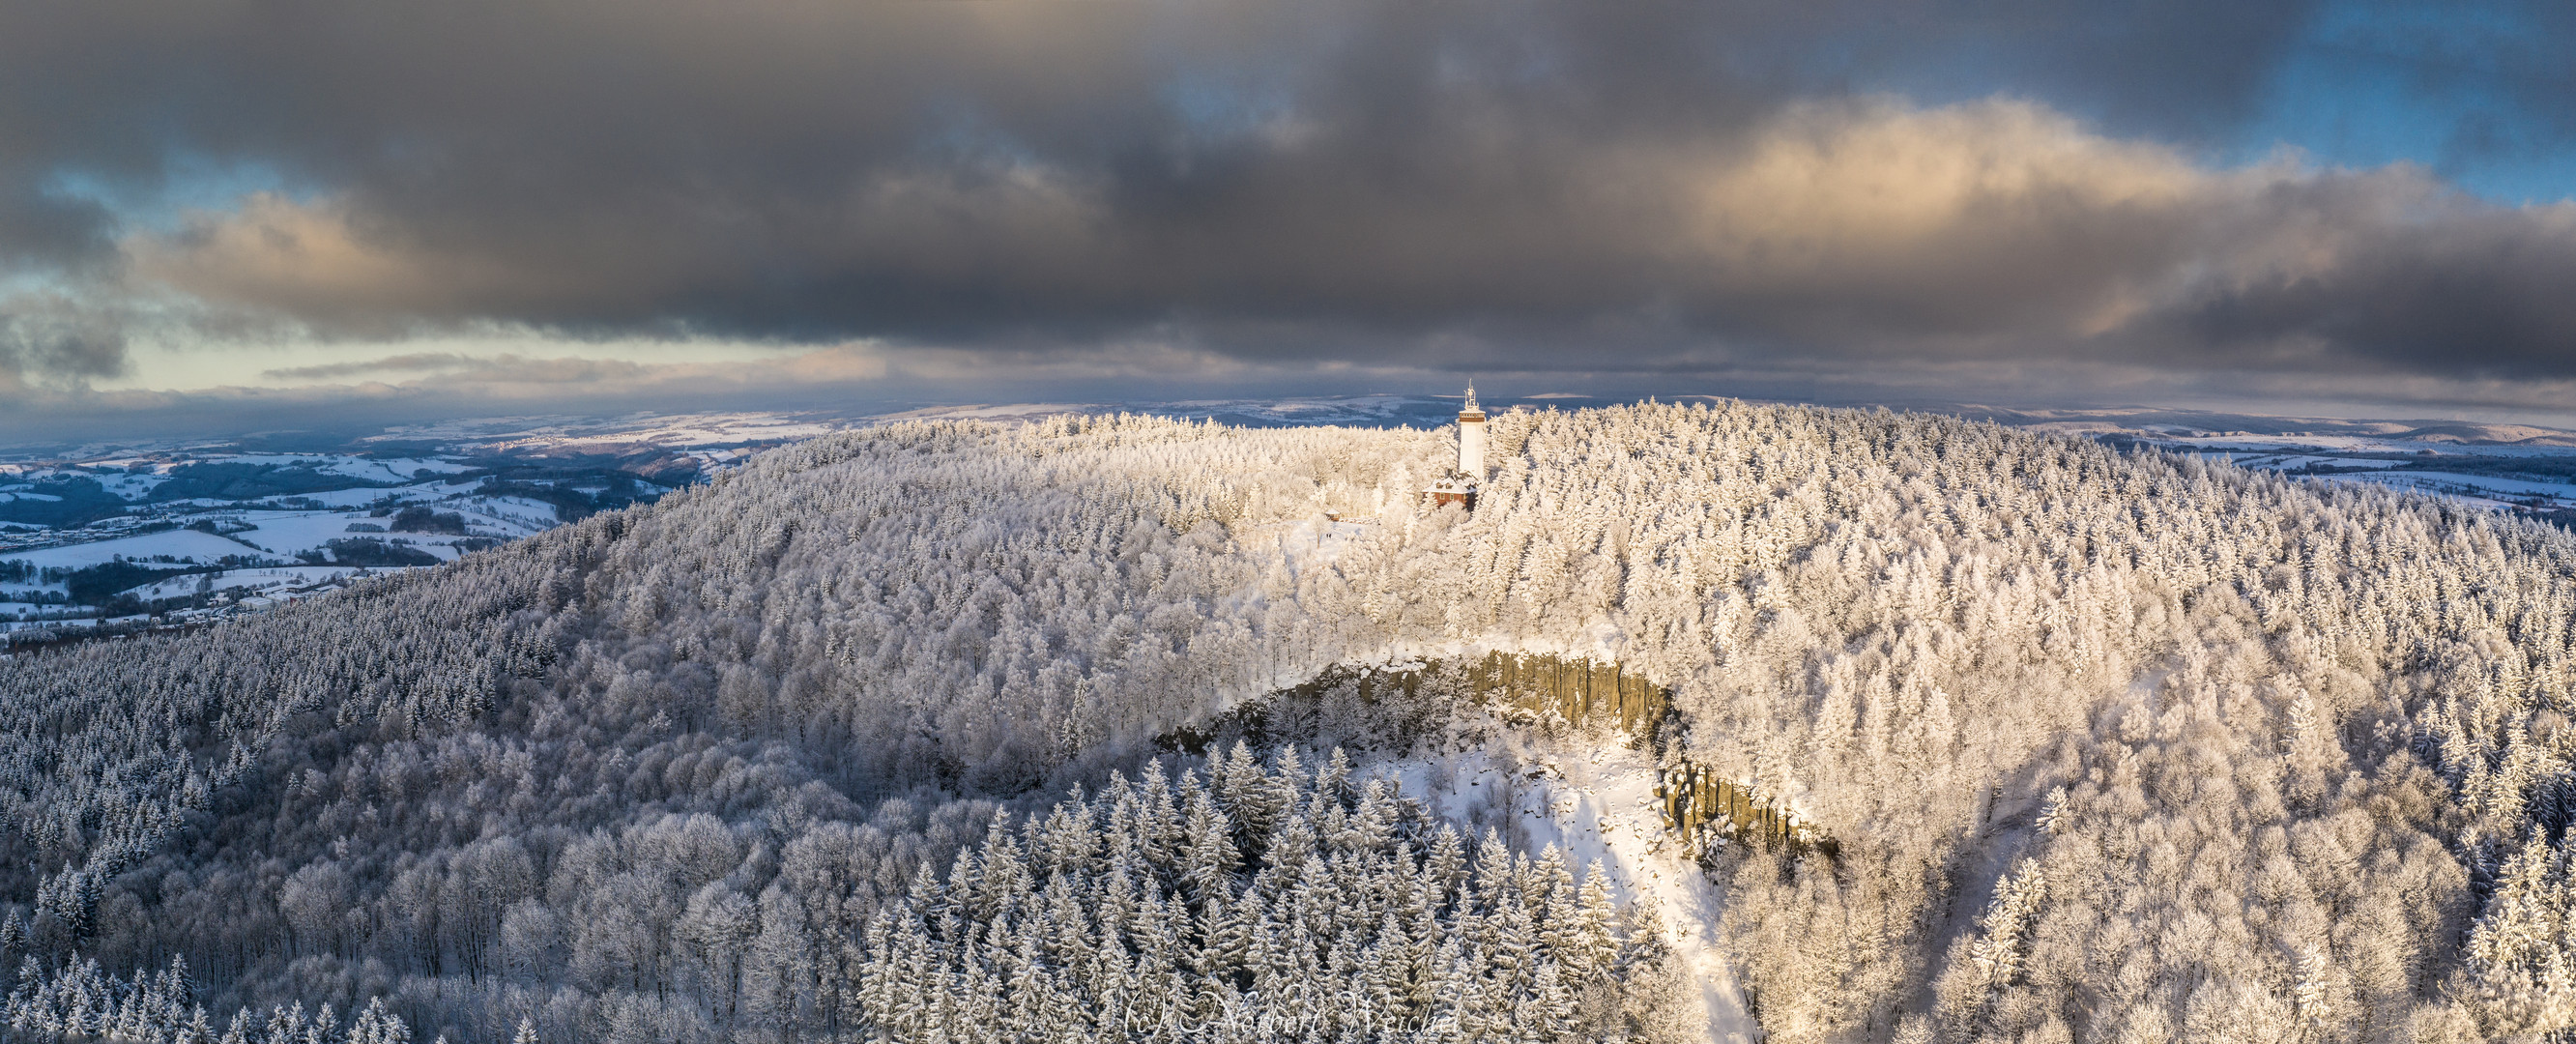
{"type": "Point", "coordinates": [1596, 805]}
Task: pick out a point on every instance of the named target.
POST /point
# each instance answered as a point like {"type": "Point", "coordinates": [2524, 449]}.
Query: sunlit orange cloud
{"type": "Point", "coordinates": [1864, 229]}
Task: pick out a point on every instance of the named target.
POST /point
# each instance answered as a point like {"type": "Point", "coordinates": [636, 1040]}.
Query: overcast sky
{"type": "Point", "coordinates": [478, 205]}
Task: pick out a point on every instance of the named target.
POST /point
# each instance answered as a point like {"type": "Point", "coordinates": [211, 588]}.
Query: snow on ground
{"type": "Point", "coordinates": [1367, 411]}
{"type": "Point", "coordinates": [287, 532]}
{"type": "Point", "coordinates": [606, 433]}
{"type": "Point", "coordinates": [132, 486]}
{"type": "Point", "coordinates": [2486, 491]}
{"type": "Point", "coordinates": [1316, 542]}
{"type": "Point", "coordinates": [2212, 444]}
{"type": "Point", "coordinates": [295, 532]}
{"type": "Point", "coordinates": [170, 588]}
{"type": "Point", "coordinates": [264, 577]}
{"type": "Point", "coordinates": [2303, 460]}
{"type": "Point", "coordinates": [2284, 444]}
{"type": "Point", "coordinates": [529, 516]}
{"type": "Point", "coordinates": [1596, 805]}
{"type": "Point", "coordinates": [282, 460]}
{"type": "Point", "coordinates": [178, 543]}
{"type": "Point", "coordinates": [987, 411]}
{"type": "Point", "coordinates": [717, 458]}
{"type": "Point", "coordinates": [364, 496]}
{"type": "Point", "coordinates": [2483, 483]}
{"type": "Point", "coordinates": [80, 624]}
{"type": "Point", "coordinates": [400, 469]}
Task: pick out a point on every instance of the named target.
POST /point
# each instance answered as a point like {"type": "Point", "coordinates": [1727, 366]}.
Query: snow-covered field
{"type": "Point", "coordinates": [363, 496]}
{"type": "Point", "coordinates": [2305, 460]}
{"type": "Point", "coordinates": [676, 431]}
{"type": "Point", "coordinates": [2390, 469]}
{"type": "Point", "coordinates": [2443, 480]}
{"type": "Point", "coordinates": [369, 469]}
{"type": "Point", "coordinates": [513, 516]}
{"type": "Point", "coordinates": [288, 532]}
{"type": "Point", "coordinates": [262, 579]}
{"type": "Point", "coordinates": [187, 545]}
{"type": "Point", "coordinates": [991, 412]}
{"type": "Point", "coordinates": [73, 507]}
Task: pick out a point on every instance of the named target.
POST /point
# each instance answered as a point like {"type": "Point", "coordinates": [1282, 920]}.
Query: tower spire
{"type": "Point", "coordinates": [1471, 437]}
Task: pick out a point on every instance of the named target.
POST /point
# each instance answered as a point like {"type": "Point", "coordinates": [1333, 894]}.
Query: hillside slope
{"type": "Point", "coordinates": [2122, 747]}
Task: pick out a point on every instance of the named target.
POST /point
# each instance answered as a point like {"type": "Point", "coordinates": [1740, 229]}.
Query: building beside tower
{"type": "Point", "coordinates": [1459, 486]}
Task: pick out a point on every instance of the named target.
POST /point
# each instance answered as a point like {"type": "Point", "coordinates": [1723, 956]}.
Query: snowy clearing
{"type": "Point", "coordinates": [261, 578]}
{"type": "Point", "coordinates": [1596, 806]}
{"type": "Point", "coordinates": [364, 496]}
{"type": "Point", "coordinates": [288, 532]}
{"type": "Point", "coordinates": [2483, 483]}
{"type": "Point", "coordinates": [2303, 460]}
{"type": "Point", "coordinates": [184, 544]}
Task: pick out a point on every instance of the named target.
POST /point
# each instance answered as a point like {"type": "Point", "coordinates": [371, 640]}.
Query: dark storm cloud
{"type": "Point", "coordinates": [2466, 289]}
{"type": "Point", "coordinates": [2180, 71]}
{"type": "Point", "coordinates": [51, 337]}
{"type": "Point", "coordinates": [48, 230]}
{"type": "Point", "coordinates": [1543, 184]}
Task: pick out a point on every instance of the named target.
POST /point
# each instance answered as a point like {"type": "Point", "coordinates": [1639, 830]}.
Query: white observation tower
{"type": "Point", "coordinates": [1471, 438]}
{"type": "Point", "coordinates": [1459, 487]}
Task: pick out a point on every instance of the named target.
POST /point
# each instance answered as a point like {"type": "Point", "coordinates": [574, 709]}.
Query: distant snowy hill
{"type": "Point", "coordinates": [2113, 744]}
{"type": "Point", "coordinates": [189, 533]}
{"type": "Point", "coordinates": [76, 508]}
{"type": "Point", "coordinates": [324, 500]}
{"type": "Point", "coordinates": [2506, 467]}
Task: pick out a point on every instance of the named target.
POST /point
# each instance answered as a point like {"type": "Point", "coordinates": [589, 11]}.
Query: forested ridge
{"type": "Point", "coordinates": [2115, 746]}
{"type": "Point", "coordinates": [1264, 904]}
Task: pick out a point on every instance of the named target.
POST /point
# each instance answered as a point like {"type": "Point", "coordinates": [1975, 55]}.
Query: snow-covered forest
{"type": "Point", "coordinates": [1264, 904]}
{"type": "Point", "coordinates": [2114, 746]}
